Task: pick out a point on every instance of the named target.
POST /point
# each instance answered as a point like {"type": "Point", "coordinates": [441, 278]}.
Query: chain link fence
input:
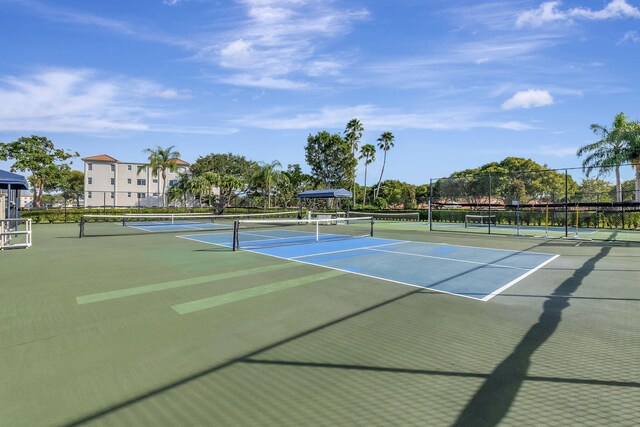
{"type": "Point", "coordinates": [543, 203]}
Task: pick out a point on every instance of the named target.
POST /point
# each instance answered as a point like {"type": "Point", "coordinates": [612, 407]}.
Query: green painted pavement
{"type": "Point", "coordinates": [139, 290]}
{"type": "Point", "coordinates": [202, 304]}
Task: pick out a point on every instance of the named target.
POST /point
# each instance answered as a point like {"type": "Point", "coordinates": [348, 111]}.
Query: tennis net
{"type": "Point", "coordinates": [138, 223]}
{"type": "Point", "coordinates": [384, 216]}
{"type": "Point", "coordinates": [255, 234]}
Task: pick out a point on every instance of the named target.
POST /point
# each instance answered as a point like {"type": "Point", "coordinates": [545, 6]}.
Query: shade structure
{"type": "Point", "coordinates": [13, 181]}
{"type": "Point", "coordinates": [339, 193]}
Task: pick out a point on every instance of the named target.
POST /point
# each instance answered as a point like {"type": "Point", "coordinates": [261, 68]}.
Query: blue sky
{"type": "Point", "coordinates": [458, 83]}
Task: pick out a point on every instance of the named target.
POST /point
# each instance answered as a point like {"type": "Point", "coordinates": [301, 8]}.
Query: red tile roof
{"type": "Point", "coordinates": [99, 158]}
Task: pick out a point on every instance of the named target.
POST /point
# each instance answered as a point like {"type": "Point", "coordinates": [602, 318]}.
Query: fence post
{"type": "Point", "coordinates": [490, 205]}
{"type": "Point", "coordinates": [430, 204]}
{"type": "Point", "coordinates": [566, 203]}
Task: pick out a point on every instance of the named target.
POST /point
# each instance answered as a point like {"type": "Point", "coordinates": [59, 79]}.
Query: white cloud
{"type": "Point", "coordinates": [173, 2]}
{"type": "Point", "coordinates": [630, 36]}
{"type": "Point", "coordinates": [80, 100]}
{"type": "Point", "coordinates": [550, 12]}
{"type": "Point", "coordinates": [555, 151]}
{"type": "Point", "coordinates": [374, 118]}
{"type": "Point", "coordinates": [528, 99]}
{"type": "Point", "coordinates": [280, 40]}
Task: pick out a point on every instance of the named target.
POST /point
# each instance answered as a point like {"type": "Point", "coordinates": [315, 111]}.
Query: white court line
{"type": "Point", "coordinates": [365, 275]}
{"type": "Point", "coordinates": [516, 280]}
{"type": "Point", "coordinates": [484, 299]}
{"type": "Point", "coordinates": [350, 250]}
{"type": "Point", "coordinates": [453, 259]}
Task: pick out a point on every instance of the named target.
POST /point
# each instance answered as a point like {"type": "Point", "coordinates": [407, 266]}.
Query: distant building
{"type": "Point", "coordinates": [110, 182]}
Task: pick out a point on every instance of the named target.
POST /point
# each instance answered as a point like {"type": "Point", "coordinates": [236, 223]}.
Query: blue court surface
{"type": "Point", "coordinates": [471, 272]}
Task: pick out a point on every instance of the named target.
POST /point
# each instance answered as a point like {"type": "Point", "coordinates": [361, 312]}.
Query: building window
{"type": "Point", "coordinates": [141, 195]}
{"type": "Point", "coordinates": [128, 194]}
{"type": "Point", "coordinates": [142, 182]}
{"type": "Point", "coordinates": [113, 168]}
{"type": "Point", "coordinates": [89, 180]}
{"type": "Point", "coordinates": [89, 195]}
{"type": "Point", "coordinates": [155, 181]}
{"type": "Point", "coordinates": [142, 169]}
{"type": "Point", "coordinates": [90, 166]}
{"type": "Point", "coordinates": [113, 181]}
{"type": "Point", "coordinates": [155, 194]}
{"type": "Point", "coordinates": [113, 195]}
{"type": "Point", "coordinates": [128, 180]}
{"type": "Point", "coordinates": [172, 182]}
{"type": "Point", "coordinates": [128, 167]}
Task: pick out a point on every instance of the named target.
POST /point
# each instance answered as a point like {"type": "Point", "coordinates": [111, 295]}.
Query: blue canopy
{"type": "Point", "coordinates": [13, 180]}
{"type": "Point", "coordinates": [339, 193]}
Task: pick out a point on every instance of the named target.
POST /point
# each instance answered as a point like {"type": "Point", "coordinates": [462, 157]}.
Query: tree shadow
{"type": "Point", "coordinates": [494, 398]}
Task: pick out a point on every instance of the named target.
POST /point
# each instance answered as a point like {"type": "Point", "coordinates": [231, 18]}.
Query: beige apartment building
{"type": "Point", "coordinates": [110, 182]}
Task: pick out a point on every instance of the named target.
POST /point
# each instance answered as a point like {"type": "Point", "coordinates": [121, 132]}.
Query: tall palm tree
{"type": "Point", "coordinates": [265, 177]}
{"type": "Point", "coordinates": [631, 152]}
{"type": "Point", "coordinates": [162, 160]}
{"type": "Point", "coordinates": [352, 135]}
{"type": "Point", "coordinates": [385, 143]}
{"type": "Point", "coordinates": [368, 153]}
{"type": "Point", "coordinates": [606, 154]}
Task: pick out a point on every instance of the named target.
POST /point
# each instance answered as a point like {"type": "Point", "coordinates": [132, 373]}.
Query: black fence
{"type": "Point", "coordinates": [545, 203]}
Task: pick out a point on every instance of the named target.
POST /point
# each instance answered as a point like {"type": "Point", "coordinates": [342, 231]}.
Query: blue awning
{"type": "Point", "coordinates": [339, 193]}
{"type": "Point", "coordinates": [13, 180]}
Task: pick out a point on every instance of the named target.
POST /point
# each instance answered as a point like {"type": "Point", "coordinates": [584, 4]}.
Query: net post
{"type": "Point", "coordinates": [371, 231]}
{"type": "Point", "coordinates": [81, 227]}
{"type": "Point", "coordinates": [236, 231]}
{"type": "Point", "coordinates": [317, 231]}
{"type": "Point", "coordinates": [430, 204]}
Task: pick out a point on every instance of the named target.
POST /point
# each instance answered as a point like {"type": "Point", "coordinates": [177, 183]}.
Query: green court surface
{"type": "Point", "coordinates": [157, 330]}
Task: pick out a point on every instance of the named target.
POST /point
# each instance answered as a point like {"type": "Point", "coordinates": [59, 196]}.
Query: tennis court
{"type": "Point", "coordinates": [477, 273]}
{"type": "Point", "coordinates": [151, 329]}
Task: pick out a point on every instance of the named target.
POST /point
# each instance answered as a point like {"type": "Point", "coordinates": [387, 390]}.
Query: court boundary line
{"type": "Point", "coordinates": [516, 280]}
{"type": "Point", "coordinates": [455, 260]}
{"type": "Point", "coordinates": [352, 249]}
{"type": "Point", "coordinates": [483, 299]}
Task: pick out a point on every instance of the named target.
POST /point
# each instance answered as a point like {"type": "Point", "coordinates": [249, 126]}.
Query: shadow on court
{"type": "Point", "coordinates": [492, 401]}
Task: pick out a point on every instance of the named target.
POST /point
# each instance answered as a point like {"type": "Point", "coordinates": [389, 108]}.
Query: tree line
{"type": "Point", "coordinates": [333, 160]}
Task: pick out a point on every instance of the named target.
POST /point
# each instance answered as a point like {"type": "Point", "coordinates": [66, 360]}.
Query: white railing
{"type": "Point", "coordinates": [13, 235]}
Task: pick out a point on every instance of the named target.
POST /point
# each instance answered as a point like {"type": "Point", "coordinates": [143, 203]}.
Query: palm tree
{"type": "Point", "coordinates": [228, 185]}
{"type": "Point", "coordinates": [162, 160]}
{"type": "Point", "coordinates": [631, 152]}
{"type": "Point", "coordinates": [385, 143]}
{"type": "Point", "coordinates": [352, 135]}
{"type": "Point", "coordinates": [368, 153]}
{"type": "Point", "coordinates": [265, 177]}
{"type": "Point", "coordinates": [606, 153]}
{"type": "Point", "coordinates": [199, 186]}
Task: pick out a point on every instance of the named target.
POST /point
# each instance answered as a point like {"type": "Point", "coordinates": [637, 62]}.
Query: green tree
{"type": "Point", "coordinates": [264, 178]}
{"type": "Point", "coordinates": [595, 190]}
{"type": "Point", "coordinates": [72, 186]}
{"type": "Point", "coordinates": [229, 184]}
{"type": "Point", "coordinates": [352, 135]}
{"type": "Point", "coordinates": [224, 164]}
{"type": "Point", "coordinates": [162, 160]}
{"type": "Point", "coordinates": [330, 159]}
{"type": "Point", "coordinates": [385, 143]}
{"type": "Point", "coordinates": [180, 190]}
{"type": "Point", "coordinates": [607, 154]}
{"type": "Point", "coordinates": [368, 153]}
{"type": "Point", "coordinates": [38, 156]}
{"type": "Point", "coordinates": [631, 152]}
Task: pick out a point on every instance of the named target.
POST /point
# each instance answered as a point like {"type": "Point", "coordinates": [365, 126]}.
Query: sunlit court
{"type": "Point", "coordinates": [316, 322]}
